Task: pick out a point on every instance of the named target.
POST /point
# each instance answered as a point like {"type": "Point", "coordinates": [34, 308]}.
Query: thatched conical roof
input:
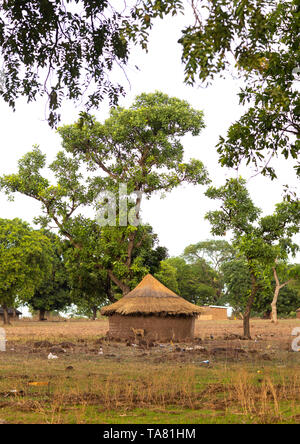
{"type": "Point", "coordinates": [152, 297]}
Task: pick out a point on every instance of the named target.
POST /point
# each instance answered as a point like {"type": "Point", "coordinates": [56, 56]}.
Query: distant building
{"type": "Point", "coordinates": [213, 313]}
{"type": "Point", "coordinates": [13, 313]}
{"type": "Point", "coordinates": [298, 313]}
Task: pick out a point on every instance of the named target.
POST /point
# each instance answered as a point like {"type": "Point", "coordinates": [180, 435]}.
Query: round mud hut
{"type": "Point", "coordinates": [153, 312]}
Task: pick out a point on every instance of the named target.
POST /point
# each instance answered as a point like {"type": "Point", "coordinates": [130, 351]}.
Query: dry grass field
{"type": "Point", "coordinates": [219, 378]}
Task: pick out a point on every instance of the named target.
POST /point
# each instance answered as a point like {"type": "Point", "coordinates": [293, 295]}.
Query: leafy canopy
{"type": "Point", "coordinates": [68, 48]}
{"type": "Point", "coordinates": [214, 251]}
{"type": "Point", "coordinates": [260, 242]}
{"type": "Point", "coordinates": [140, 147]}
{"type": "Point", "coordinates": [259, 239]}
{"type": "Point", "coordinates": [260, 40]}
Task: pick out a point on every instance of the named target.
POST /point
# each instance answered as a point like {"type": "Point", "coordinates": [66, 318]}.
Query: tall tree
{"type": "Point", "coordinates": [139, 147]}
{"type": "Point", "coordinates": [260, 241]}
{"type": "Point", "coordinates": [25, 258]}
{"type": "Point", "coordinates": [258, 40]}
{"type": "Point", "coordinates": [67, 49]}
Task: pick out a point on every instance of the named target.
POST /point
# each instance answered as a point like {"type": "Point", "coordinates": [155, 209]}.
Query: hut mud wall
{"type": "Point", "coordinates": [155, 328]}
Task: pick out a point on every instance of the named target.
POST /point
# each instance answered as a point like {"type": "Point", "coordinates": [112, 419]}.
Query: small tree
{"type": "Point", "coordinates": [25, 259]}
{"type": "Point", "coordinates": [291, 274]}
{"type": "Point", "coordinates": [237, 286]}
{"type": "Point", "coordinates": [259, 241]}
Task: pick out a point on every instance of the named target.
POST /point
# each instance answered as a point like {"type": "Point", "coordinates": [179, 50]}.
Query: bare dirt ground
{"type": "Point", "coordinates": [214, 341]}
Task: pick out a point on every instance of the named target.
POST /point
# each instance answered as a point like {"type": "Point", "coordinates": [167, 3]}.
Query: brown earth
{"type": "Point", "coordinates": [214, 341]}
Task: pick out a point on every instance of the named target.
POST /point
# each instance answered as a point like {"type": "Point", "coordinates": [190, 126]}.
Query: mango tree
{"type": "Point", "coordinates": [139, 147]}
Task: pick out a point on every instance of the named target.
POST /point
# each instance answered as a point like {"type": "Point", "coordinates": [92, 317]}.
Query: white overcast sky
{"type": "Point", "coordinates": [179, 218]}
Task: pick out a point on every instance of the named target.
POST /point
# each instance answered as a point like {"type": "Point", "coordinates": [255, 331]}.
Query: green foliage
{"type": "Point", "coordinates": [25, 260]}
{"type": "Point", "coordinates": [215, 252]}
{"type": "Point", "coordinates": [167, 275]}
{"type": "Point", "coordinates": [262, 240]}
{"type": "Point", "coordinates": [238, 211]}
{"type": "Point", "coordinates": [53, 293]}
{"type": "Point", "coordinates": [90, 288]}
{"type": "Point", "coordinates": [259, 242]}
{"type": "Point", "coordinates": [197, 282]}
{"type": "Point", "coordinates": [237, 287]}
{"type": "Point", "coordinates": [139, 147]}
{"type": "Point", "coordinates": [64, 48]}
{"type": "Point", "coordinates": [152, 257]}
{"type": "Point", "coordinates": [237, 281]}
{"type": "Point", "coordinates": [260, 38]}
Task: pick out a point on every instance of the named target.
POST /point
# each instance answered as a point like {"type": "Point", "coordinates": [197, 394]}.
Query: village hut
{"type": "Point", "coordinates": [13, 313]}
{"type": "Point", "coordinates": [152, 311]}
{"type": "Point", "coordinates": [298, 313]}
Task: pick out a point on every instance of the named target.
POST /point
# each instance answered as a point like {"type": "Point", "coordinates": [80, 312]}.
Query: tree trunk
{"type": "Point", "coordinates": [6, 320]}
{"type": "Point", "coordinates": [124, 287]}
{"type": "Point", "coordinates": [275, 297]}
{"type": "Point", "coordinates": [94, 310]}
{"type": "Point", "coordinates": [246, 326]}
{"type": "Point", "coordinates": [42, 315]}
{"type": "Point", "coordinates": [108, 291]}
{"type": "Point", "coordinates": [274, 305]}
{"type": "Point", "coordinates": [247, 313]}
